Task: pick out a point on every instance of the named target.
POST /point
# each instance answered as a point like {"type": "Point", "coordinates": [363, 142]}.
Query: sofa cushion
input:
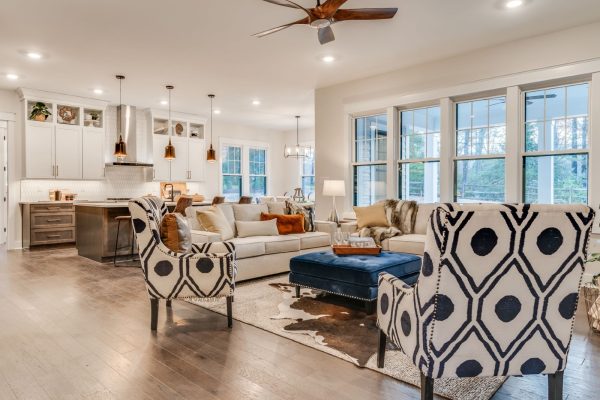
{"type": "Point", "coordinates": [371, 216]}
{"type": "Point", "coordinates": [277, 207]}
{"type": "Point", "coordinates": [257, 228]}
{"type": "Point", "coordinates": [213, 220]}
{"type": "Point", "coordinates": [248, 212]}
{"type": "Point", "coordinates": [311, 240]}
{"type": "Point", "coordinates": [286, 224]}
{"type": "Point", "coordinates": [281, 244]}
{"type": "Point", "coordinates": [249, 247]}
{"type": "Point", "coordinates": [190, 214]}
{"type": "Point", "coordinates": [412, 244]}
{"type": "Point", "coordinates": [423, 213]}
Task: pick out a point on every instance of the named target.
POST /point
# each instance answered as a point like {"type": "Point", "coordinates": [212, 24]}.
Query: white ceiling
{"type": "Point", "coordinates": [203, 46]}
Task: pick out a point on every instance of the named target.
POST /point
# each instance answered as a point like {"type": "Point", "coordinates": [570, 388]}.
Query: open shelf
{"type": "Point", "coordinates": [32, 103]}
{"type": "Point", "coordinates": [93, 118]}
{"type": "Point", "coordinates": [161, 126]}
{"type": "Point", "coordinates": [196, 131]}
{"type": "Point", "coordinates": [179, 129]}
{"type": "Point", "coordinates": [67, 115]}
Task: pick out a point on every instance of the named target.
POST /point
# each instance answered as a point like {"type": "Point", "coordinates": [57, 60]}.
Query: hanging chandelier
{"type": "Point", "coordinates": [297, 151]}
{"type": "Point", "coordinates": [211, 154]}
{"type": "Point", "coordinates": [170, 149]}
{"type": "Point", "coordinates": [120, 145]}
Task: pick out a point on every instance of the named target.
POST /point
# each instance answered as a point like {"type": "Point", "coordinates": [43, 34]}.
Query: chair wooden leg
{"type": "Point", "coordinates": [169, 303]}
{"type": "Point", "coordinates": [381, 350]}
{"type": "Point", "coordinates": [555, 386]}
{"type": "Point", "coordinates": [153, 314]}
{"type": "Point", "coordinates": [426, 387]}
{"type": "Point", "coordinates": [229, 311]}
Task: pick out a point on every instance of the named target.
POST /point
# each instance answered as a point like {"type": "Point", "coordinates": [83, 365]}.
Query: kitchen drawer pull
{"type": "Point", "coordinates": [53, 220]}
{"type": "Point", "coordinates": [53, 236]}
{"type": "Point", "coordinates": [53, 208]}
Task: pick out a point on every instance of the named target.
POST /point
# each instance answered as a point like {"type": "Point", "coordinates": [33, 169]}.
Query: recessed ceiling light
{"type": "Point", "coordinates": [514, 3]}
{"type": "Point", "coordinates": [328, 59]}
{"type": "Point", "coordinates": [98, 91]}
{"type": "Point", "coordinates": [217, 111]}
{"type": "Point", "coordinates": [256, 102]}
{"type": "Point", "coordinates": [164, 102]}
{"type": "Point", "coordinates": [34, 56]}
{"type": "Point", "coordinates": [12, 77]}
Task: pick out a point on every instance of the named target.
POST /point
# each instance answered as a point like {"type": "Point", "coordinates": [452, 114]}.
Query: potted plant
{"type": "Point", "coordinates": [39, 112]}
{"type": "Point", "coordinates": [94, 115]}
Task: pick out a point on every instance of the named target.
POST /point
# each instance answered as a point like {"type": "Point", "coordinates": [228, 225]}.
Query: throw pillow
{"type": "Point", "coordinates": [256, 228]}
{"type": "Point", "coordinates": [175, 233]}
{"type": "Point", "coordinates": [213, 220]}
{"type": "Point", "coordinates": [286, 224]}
{"type": "Point", "coordinates": [183, 202]}
{"type": "Point", "coordinates": [308, 212]}
{"type": "Point", "coordinates": [277, 207]}
{"type": "Point", "coordinates": [371, 216]}
{"type": "Point", "coordinates": [248, 212]}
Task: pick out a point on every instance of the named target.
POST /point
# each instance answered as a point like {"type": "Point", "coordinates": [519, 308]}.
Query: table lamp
{"type": "Point", "coordinates": [334, 188]}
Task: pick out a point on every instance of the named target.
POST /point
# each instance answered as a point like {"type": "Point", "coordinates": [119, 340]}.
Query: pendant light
{"type": "Point", "coordinates": [211, 154]}
{"type": "Point", "coordinates": [120, 146]}
{"type": "Point", "coordinates": [297, 151]}
{"type": "Point", "coordinates": [170, 149]}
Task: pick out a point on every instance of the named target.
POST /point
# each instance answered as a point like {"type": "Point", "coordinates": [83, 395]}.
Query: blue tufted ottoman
{"type": "Point", "coordinates": [351, 276]}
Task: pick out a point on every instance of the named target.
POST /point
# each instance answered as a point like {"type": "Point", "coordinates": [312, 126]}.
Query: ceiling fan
{"type": "Point", "coordinates": [324, 15]}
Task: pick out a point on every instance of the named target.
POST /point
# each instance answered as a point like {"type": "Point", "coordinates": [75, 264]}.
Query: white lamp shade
{"type": "Point", "coordinates": [334, 188]}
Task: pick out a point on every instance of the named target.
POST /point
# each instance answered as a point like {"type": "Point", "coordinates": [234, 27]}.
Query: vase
{"type": "Point", "coordinates": [40, 118]}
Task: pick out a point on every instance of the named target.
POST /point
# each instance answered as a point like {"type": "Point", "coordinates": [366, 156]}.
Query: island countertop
{"type": "Point", "coordinates": [125, 204]}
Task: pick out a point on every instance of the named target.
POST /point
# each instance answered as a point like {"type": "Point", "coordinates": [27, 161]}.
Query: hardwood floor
{"type": "Point", "coordinates": [71, 328]}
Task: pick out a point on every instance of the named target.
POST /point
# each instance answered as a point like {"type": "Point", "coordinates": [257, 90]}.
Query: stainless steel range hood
{"type": "Point", "coordinates": [137, 153]}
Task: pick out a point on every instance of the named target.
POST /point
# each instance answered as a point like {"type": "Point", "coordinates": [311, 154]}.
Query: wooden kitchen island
{"type": "Point", "coordinates": [96, 229]}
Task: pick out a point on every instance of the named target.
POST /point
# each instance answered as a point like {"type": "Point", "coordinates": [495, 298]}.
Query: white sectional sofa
{"type": "Point", "coordinates": [411, 243]}
{"type": "Point", "coordinates": [259, 256]}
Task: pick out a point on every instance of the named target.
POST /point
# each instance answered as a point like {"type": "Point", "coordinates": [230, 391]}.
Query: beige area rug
{"type": "Point", "coordinates": [336, 326]}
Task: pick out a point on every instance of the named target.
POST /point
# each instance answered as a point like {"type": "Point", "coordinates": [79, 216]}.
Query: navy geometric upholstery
{"type": "Point", "coordinates": [207, 271]}
{"type": "Point", "coordinates": [497, 293]}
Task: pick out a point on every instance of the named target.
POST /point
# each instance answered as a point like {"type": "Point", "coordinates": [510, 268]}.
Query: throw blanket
{"type": "Point", "coordinates": [401, 217]}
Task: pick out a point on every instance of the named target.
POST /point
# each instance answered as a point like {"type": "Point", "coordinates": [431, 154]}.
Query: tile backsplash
{"type": "Point", "coordinates": [120, 182]}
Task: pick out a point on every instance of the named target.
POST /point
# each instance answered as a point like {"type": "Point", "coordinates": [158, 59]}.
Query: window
{"type": "Point", "coordinates": [258, 172]}
{"type": "Point", "coordinates": [555, 163]}
{"type": "Point", "coordinates": [231, 168]}
{"type": "Point", "coordinates": [419, 164]}
{"type": "Point", "coordinates": [370, 154]}
{"type": "Point", "coordinates": [308, 175]}
{"type": "Point", "coordinates": [480, 148]}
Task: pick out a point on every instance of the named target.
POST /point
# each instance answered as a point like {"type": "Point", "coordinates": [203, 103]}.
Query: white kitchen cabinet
{"type": "Point", "coordinates": [179, 166]}
{"type": "Point", "coordinates": [67, 151]}
{"type": "Point", "coordinates": [162, 167]}
{"type": "Point", "coordinates": [39, 150]}
{"type": "Point", "coordinates": [93, 153]}
{"type": "Point", "coordinates": [196, 159]}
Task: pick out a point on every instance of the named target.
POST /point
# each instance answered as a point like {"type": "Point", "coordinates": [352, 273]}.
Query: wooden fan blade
{"type": "Point", "coordinates": [326, 35]}
{"type": "Point", "coordinates": [331, 6]}
{"type": "Point", "coordinates": [365, 14]}
{"type": "Point", "coordinates": [282, 27]}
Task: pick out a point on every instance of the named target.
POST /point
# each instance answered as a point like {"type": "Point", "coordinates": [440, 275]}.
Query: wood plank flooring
{"type": "Point", "coordinates": [71, 328]}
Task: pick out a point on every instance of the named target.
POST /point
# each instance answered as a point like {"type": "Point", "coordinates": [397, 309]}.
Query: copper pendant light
{"type": "Point", "coordinates": [120, 146]}
{"type": "Point", "coordinates": [211, 154]}
{"type": "Point", "coordinates": [170, 149]}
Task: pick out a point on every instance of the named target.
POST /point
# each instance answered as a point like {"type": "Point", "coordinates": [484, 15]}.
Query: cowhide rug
{"type": "Point", "coordinates": [337, 326]}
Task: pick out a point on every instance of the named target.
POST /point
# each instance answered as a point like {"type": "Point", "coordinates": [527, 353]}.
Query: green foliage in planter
{"type": "Point", "coordinates": [39, 109]}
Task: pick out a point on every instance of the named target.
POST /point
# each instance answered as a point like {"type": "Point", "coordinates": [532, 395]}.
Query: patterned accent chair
{"type": "Point", "coordinates": [208, 271]}
{"type": "Point", "coordinates": [496, 296]}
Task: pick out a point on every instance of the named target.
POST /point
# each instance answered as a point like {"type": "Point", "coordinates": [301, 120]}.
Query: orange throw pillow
{"type": "Point", "coordinates": [286, 224]}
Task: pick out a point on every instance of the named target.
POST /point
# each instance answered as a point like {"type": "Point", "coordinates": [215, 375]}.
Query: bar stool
{"type": "Point", "coordinates": [119, 219]}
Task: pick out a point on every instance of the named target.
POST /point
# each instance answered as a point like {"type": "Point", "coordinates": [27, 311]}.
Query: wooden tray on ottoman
{"type": "Point", "coordinates": [347, 250]}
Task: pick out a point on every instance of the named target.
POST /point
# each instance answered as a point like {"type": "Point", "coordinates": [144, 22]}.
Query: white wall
{"type": "Point", "coordinates": [555, 55]}
{"type": "Point", "coordinates": [293, 166]}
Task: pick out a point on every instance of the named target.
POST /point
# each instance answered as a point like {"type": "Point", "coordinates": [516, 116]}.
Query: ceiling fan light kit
{"type": "Point", "coordinates": [322, 16]}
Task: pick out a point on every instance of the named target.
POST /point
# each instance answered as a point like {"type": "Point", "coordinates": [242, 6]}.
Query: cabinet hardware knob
{"type": "Point", "coordinates": [53, 220]}
{"type": "Point", "coordinates": [52, 236]}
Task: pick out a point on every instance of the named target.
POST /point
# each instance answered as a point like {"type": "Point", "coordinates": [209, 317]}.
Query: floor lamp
{"type": "Point", "coordinates": [334, 189]}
